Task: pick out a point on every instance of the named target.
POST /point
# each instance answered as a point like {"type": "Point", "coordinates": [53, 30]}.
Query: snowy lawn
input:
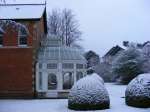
{"type": "Point", "coordinates": [117, 102]}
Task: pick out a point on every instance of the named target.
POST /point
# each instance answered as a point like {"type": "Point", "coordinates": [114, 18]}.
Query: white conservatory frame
{"type": "Point", "coordinates": [59, 71]}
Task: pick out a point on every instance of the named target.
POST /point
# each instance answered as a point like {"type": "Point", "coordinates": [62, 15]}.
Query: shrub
{"type": "Point", "coordinates": [88, 93]}
{"type": "Point", "coordinates": [138, 91]}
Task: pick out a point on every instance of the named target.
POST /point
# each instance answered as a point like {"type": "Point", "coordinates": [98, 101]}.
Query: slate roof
{"type": "Point", "coordinates": [113, 51]}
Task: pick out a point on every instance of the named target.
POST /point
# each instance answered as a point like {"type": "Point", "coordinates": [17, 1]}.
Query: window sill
{"type": "Point", "coordinates": [22, 46]}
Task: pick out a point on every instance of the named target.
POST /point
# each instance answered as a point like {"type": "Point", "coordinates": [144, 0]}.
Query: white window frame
{"type": "Point", "coordinates": [22, 36]}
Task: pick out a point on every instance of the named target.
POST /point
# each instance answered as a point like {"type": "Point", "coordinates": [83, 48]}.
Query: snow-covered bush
{"type": "Point", "coordinates": [128, 64]}
{"type": "Point", "coordinates": [138, 91]}
{"type": "Point", "coordinates": [97, 77]}
{"type": "Point", "coordinates": [88, 93]}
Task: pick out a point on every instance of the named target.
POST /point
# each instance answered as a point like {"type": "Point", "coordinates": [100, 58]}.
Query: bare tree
{"type": "Point", "coordinates": [64, 25]}
{"type": "Point", "coordinates": [54, 23]}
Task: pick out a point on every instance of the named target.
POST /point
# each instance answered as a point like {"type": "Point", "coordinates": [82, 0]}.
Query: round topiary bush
{"type": "Point", "coordinates": [138, 91]}
{"type": "Point", "coordinates": [88, 93]}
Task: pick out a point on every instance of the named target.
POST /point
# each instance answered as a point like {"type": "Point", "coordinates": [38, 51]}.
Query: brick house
{"type": "Point", "coordinates": [18, 50]}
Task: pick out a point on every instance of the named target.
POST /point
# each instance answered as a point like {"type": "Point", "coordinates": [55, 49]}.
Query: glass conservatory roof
{"type": "Point", "coordinates": [60, 53]}
{"type": "Point", "coordinates": [52, 49]}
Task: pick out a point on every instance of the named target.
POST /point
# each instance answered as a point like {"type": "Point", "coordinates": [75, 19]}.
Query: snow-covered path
{"type": "Point", "coordinates": [116, 93]}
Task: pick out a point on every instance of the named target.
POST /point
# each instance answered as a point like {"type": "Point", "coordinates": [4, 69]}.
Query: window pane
{"type": "Point", "coordinates": [1, 39]}
{"type": "Point", "coordinates": [68, 80]}
{"type": "Point", "coordinates": [22, 36]}
{"type": "Point", "coordinates": [79, 66]}
{"type": "Point", "coordinates": [52, 82]}
{"type": "Point", "coordinates": [40, 80]}
{"type": "Point", "coordinates": [22, 31]}
{"type": "Point", "coordinates": [52, 66]}
{"type": "Point", "coordinates": [67, 65]}
{"type": "Point", "coordinates": [40, 65]}
{"type": "Point", "coordinates": [23, 40]}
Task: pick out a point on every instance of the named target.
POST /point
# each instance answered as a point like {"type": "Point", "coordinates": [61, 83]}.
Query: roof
{"type": "Point", "coordinates": [52, 49]}
{"type": "Point", "coordinates": [113, 51]}
{"type": "Point", "coordinates": [146, 43]}
{"type": "Point", "coordinates": [21, 11]}
{"type": "Point", "coordinates": [60, 53]}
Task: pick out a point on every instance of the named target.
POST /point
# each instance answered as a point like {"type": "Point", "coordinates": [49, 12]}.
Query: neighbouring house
{"type": "Point", "coordinates": [111, 54]}
{"type": "Point", "coordinates": [58, 68]}
{"type": "Point", "coordinates": [19, 43]}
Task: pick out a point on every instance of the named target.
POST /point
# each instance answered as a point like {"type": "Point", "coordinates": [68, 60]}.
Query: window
{"type": "Point", "coordinates": [1, 38]}
{"type": "Point", "coordinates": [68, 80]}
{"type": "Point", "coordinates": [52, 81]}
{"type": "Point", "coordinates": [40, 80]}
{"type": "Point", "coordinates": [40, 65]}
{"type": "Point", "coordinates": [22, 37]}
{"type": "Point", "coordinates": [52, 66]}
{"type": "Point", "coordinates": [67, 65]}
{"type": "Point", "coordinates": [79, 75]}
{"type": "Point", "coordinates": [79, 66]}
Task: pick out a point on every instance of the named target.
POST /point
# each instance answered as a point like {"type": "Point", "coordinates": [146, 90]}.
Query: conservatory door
{"type": "Point", "coordinates": [52, 81]}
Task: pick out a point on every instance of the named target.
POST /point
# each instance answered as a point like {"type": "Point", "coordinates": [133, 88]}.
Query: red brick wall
{"type": "Point", "coordinates": [16, 72]}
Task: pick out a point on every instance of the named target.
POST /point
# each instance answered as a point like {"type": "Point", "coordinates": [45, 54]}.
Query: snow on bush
{"type": "Point", "coordinates": [138, 91]}
{"type": "Point", "coordinates": [88, 93]}
{"type": "Point", "coordinates": [97, 77]}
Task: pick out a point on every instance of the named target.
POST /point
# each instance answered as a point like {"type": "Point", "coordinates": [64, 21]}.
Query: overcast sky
{"type": "Point", "coordinates": [106, 23]}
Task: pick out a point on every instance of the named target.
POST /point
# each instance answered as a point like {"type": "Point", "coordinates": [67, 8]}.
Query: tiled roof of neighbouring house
{"type": "Point", "coordinates": [21, 11]}
{"type": "Point", "coordinates": [113, 51]}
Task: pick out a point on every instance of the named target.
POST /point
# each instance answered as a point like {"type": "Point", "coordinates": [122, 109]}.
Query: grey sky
{"type": "Point", "coordinates": [106, 23]}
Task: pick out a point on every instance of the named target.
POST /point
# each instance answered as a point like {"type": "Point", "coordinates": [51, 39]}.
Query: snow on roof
{"type": "Point", "coordinates": [21, 11]}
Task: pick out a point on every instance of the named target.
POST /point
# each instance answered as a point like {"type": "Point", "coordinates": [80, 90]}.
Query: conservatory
{"type": "Point", "coordinates": [57, 68]}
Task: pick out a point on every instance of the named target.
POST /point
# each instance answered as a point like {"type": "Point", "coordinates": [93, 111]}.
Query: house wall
{"type": "Point", "coordinates": [16, 72]}
{"type": "Point", "coordinates": [17, 64]}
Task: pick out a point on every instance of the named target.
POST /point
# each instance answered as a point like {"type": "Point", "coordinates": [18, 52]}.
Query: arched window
{"type": "Point", "coordinates": [22, 37]}
{"type": "Point", "coordinates": [52, 81]}
{"type": "Point", "coordinates": [79, 75]}
{"type": "Point", "coordinates": [68, 80]}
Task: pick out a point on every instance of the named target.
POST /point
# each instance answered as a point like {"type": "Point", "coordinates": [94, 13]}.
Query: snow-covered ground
{"type": "Point", "coordinates": [116, 93]}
